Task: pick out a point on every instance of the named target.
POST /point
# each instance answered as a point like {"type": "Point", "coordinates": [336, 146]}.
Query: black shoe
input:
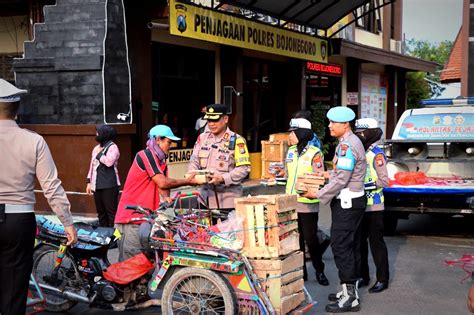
{"type": "Point", "coordinates": [378, 287]}
{"type": "Point", "coordinates": [347, 300]}
{"type": "Point", "coordinates": [321, 277]}
{"type": "Point", "coordinates": [333, 297]}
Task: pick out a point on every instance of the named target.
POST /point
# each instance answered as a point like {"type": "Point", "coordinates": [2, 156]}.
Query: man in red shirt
{"type": "Point", "coordinates": [147, 177]}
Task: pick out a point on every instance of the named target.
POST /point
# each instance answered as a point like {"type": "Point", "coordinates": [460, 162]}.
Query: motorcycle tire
{"type": "Point", "coordinates": [43, 265]}
{"type": "Point", "coordinates": [197, 285]}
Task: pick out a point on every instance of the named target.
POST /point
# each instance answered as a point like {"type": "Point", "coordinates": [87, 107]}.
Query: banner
{"type": "Point", "coordinates": [200, 23]}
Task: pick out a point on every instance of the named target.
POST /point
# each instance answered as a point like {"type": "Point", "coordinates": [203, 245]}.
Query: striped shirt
{"type": "Point", "coordinates": [139, 188]}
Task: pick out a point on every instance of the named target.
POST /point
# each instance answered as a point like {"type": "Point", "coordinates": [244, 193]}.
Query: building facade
{"type": "Point", "coordinates": [135, 64]}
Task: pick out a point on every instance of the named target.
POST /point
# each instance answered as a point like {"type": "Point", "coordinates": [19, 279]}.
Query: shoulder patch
{"type": "Point", "coordinates": [241, 153]}
{"type": "Point", "coordinates": [380, 159]}
{"type": "Point", "coordinates": [345, 158]}
{"type": "Point", "coordinates": [317, 160]}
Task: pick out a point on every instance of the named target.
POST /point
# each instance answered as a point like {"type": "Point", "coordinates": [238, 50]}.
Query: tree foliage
{"type": "Point", "coordinates": [422, 85]}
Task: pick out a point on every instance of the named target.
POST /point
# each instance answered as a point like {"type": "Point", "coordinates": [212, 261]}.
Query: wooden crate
{"type": "Point", "coordinates": [270, 225]}
{"type": "Point", "coordinates": [274, 150]}
{"type": "Point", "coordinates": [282, 280]}
{"type": "Point", "coordinates": [282, 136]}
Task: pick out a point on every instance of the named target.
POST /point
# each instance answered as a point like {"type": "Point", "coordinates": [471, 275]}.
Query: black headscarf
{"type": "Point", "coordinates": [303, 135]}
{"type": "Point", "coordinates": [369, 136]}
{"type": "Point", "coordinates": [105, 133]}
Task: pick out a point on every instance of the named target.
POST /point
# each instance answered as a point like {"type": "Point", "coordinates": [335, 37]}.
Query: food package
{"type": "Point", "coordinates": [275, 167]}
{"type": "Point", "coordinates": [201, 176]}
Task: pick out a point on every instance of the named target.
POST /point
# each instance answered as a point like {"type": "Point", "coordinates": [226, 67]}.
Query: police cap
{"type": "Point", "coordinates": [10, 93]}
{"type": "Point", "coordinates": [340, 114]}
{"type": "Point", "coordinates": [215, 111]}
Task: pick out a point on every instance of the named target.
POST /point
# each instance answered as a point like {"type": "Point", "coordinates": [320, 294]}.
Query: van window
{"type": "Point", "coordinates": [440, 126]}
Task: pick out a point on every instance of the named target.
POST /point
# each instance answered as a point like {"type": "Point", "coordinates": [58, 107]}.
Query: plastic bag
{"type": "Point", "coordinates": [411, 178]}
{"type": "Point", "coordinates": [128, 270]}
{"type": "Point", "coordinates": [229, 233]}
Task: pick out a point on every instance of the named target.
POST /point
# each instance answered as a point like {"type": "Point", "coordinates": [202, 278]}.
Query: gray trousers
{"type": "Point", "coordinates": [129, 245]}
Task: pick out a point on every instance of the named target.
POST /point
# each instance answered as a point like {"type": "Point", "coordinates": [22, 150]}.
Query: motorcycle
{"type": "Point", "coordinates": [68, 275]}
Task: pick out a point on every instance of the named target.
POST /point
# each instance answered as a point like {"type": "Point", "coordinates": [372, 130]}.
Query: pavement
{"type": "Point", "coordinates": [420, 283]}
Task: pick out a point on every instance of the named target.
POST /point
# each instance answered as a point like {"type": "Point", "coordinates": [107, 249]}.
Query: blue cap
{"type": "Point", "coordinates": [162, 131]}
{"type": "Point", "coordinates": [341, 114]}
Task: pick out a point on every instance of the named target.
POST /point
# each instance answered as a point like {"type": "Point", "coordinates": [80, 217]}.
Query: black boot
{"type": "Point", "coordinates": [348, 300]}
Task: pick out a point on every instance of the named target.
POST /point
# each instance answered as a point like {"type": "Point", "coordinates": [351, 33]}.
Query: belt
{"type": "Point", "coordinates": [18, 208]}
{"type": "Point", "coordinates": [350, 194]}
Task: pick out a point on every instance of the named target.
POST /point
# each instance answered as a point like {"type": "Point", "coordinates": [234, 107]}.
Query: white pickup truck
{"type": "Point", "coordinates": [436, 142]}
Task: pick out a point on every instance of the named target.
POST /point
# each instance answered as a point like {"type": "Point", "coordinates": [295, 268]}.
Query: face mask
{"type": "Point", "coordinates": [97, 138]}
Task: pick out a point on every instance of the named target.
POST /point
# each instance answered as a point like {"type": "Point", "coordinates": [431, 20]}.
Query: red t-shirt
{"type": "Point", "coordinates": [139, 188]}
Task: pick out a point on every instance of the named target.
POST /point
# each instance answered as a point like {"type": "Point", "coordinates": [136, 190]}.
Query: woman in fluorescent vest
{"type": "Point", "coordinates": [372, 227]}
{"type": "Point", "coordinates": [303, 157]}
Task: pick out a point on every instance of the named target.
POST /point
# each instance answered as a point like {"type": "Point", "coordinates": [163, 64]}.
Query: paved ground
{"type": "Point", "coordinates": [420, 282]}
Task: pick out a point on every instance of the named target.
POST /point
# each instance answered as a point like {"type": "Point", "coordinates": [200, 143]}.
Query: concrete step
{"type": "Point", "coordinates": [73, 26]}
{"type": "Point", "coordinates": [74, 13]}
{"type": "Point", "coordinates": [66, 2]}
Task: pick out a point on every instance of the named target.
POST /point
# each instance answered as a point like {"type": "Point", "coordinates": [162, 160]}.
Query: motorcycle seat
{"type": "Point", "coordinates": [86, 233]}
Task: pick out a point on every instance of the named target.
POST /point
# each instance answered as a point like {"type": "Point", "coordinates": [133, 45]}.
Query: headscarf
{"type": "Point", "coordinates": [304, 136]}
{"type": "Point", "coordinates": [105, 134]}
{"type": "Point", "coordinates": [369, 136]}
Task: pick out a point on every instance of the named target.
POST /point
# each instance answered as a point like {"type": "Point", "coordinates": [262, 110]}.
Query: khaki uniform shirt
{"type": "Point", "coordinates": [350, 167]}
{"type": "Point", "coordinates": [25, 155]}
{"type": "Point", "coordinates": [214, 154]}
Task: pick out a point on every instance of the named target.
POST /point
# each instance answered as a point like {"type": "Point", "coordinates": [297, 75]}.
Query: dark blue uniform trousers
{"type": "Point", "coordinates": [345, 237]}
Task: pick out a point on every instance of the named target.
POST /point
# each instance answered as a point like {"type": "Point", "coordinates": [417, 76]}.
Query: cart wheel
{"type": "Point", "coordinates": [198, 291]}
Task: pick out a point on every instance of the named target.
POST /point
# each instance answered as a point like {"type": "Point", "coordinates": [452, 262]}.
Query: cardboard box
{"type": "Point", "coordinates": [201, 176]}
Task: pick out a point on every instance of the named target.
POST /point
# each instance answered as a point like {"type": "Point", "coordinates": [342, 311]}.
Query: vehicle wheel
{"type": "Point", "coordinates": [68, 276]}
{"type": "Point", "coordinates": [198, 291]}
{"type": "Point", "coordinates": [390, 222]}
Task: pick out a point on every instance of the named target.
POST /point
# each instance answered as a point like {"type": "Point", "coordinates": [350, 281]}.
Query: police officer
{"type": "Point", "coordinates": [302, 158]}
{"type": "Point", "coordinates": [372, 227]}
{"type": "Point", "coordinates": [25, 155]}
{"type": "Point", "coordinates": [225, 154]}
{"type": "Point", "coordinates": [345, 192]}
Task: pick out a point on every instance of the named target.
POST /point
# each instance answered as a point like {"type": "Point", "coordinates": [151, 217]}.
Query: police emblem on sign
{"type": "Point", "coordinates": [181, 17]}
{"type": "Point", "coordinates": [323, 50]}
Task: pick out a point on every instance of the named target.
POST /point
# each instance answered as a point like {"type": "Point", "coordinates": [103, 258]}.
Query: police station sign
{"type": "Point", "coordinates": [188, 20]}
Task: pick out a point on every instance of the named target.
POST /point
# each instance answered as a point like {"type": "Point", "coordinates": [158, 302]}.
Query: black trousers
{"type": "Point", "coordinates": [308, 227]}
{"type": "Point", "coordinates": [372, 229]}
{"type": "Point", "coordinates": [17, 238]}
{"type": "Point", "coordinates": [345, 239]}
{"type": "Point", "coordinates": [106, 202]}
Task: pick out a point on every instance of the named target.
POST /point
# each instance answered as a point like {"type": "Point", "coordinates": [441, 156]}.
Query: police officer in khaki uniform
{"type": "Point", "coordinates": [225, 154]}
{"type": "Point", "coordinates": [372, 227]}
{"type": "Point", "coordinates": [345, 192]}
{"type": "Point", "coordinates": [25, 155]}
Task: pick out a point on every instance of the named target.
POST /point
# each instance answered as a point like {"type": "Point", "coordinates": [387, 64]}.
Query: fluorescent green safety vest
{"type": "Point", "coordinates": [374, 196]}
{"type": "Point", "coordinates": [299, 165]}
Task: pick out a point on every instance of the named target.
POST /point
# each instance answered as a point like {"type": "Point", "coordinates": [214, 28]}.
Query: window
{"type": "Point", "coordinates": [369, 16]}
